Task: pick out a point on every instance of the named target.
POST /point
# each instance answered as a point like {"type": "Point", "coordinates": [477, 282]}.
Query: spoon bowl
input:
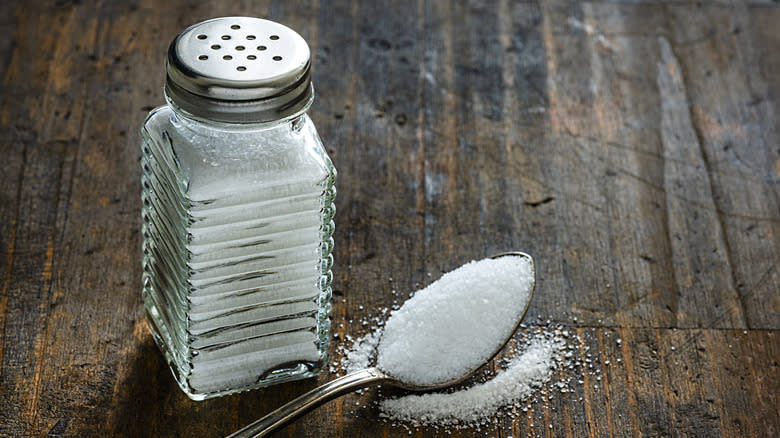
{"type": "Point", "coordinates": [367, 377]}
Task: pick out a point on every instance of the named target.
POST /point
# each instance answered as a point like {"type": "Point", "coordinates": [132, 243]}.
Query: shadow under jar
{"type": "Point", "coordinates": [238, 209]}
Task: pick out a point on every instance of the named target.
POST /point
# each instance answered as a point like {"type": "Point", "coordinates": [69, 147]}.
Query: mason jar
{"type": "Point", "coordinates": [238, 209]}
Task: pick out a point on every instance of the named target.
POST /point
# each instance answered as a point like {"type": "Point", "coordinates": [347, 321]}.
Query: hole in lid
{"type": "Point", "coordinates": [227, 57]}
{"type": "Point", "coordinates": [250, 37]}
{"type": "Point", "coordinates": [225, 37]}
{"type": "Point", "coordinates": [202, 37]}
{"type": "Point", "coordinates": [235, 26]}
{"type": "Point", "coordinates": [251, 57]}
{"type": "Point", "coordinates": [274, 37]}
{"type": "Point", "coordinates": [216, 47]}
{"type": "Point", "coordinates": [240, 47]}
{"type": "Point", "coordinates": [261, 47]}
{"type": "Point", "coordinates": [240, 68]}
{"type": "Point", "coordinates": [277, 58]}
{"type": "Point", "coordinates": [203, 57]}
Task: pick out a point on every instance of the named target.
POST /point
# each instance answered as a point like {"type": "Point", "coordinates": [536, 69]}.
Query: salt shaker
{"type": "Point", "coordinates": [238, 209]}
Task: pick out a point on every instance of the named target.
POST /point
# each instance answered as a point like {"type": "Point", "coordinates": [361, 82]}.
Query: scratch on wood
{"type": "Point", "coordinates": [41, 340]}
{"type": "Point", "coordinates": [535, 204]}
{"type": "Point", "coordinates": [32, 407]}
{"type": "Point", "coordinates": [6, 285]}
{"type": "Point", "coordinates": [47, 264]}
{"type": "Point", "coordinates": [557, 121]}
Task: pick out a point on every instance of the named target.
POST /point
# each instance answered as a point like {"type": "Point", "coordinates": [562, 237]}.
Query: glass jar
{"type": "Point", "coordinates": [238, 209]}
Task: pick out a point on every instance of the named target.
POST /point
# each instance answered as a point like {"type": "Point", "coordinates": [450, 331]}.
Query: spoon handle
{"type": "Point", "coordinates": [317, 396]}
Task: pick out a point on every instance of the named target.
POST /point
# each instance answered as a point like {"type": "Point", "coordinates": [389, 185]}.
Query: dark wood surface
{"type": "Point", "coordinates": [631, 147]}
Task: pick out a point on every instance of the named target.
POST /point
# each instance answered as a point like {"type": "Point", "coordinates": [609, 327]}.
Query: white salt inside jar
{"type": "Point", "coordinates": [454, 325]}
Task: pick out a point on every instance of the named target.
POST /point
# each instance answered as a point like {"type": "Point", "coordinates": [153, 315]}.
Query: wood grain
{"type": "Point", "coordinates": [630, 147]}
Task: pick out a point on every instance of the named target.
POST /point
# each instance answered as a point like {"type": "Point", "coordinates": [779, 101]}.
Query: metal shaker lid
{"type": "Point", "coordinates": [239, 70]}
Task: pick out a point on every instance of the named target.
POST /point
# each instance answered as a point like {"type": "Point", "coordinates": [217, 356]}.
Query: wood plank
{"type": "Point", "coordinates": [692, 211]}
{"type": "Point", "coordinates": [735, 151]}
{"type": "Point", "coordinates": [746, 378]}
{"type": "Point", "coordinates": [628, 162]}
{"type": "Point", "coordinates": [688, 383]}
{"type": "Point", "coordinates": [11, 179]}
{"type": "Point", "coordinates": [645, 377]}
{"type": "Point", "coordinates": [576, 260]}
{"type": "Point", "coordinates": [40, 167]}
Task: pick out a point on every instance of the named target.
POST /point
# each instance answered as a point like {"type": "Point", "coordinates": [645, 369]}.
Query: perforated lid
{"type": "Point", "coordinates": [239, 69]}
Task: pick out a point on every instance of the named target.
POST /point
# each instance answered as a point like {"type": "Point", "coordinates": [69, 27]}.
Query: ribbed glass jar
{"type": "Point", "coordinates": [237, 226]}
{"type": "Point", "coordinates": [237, 242]}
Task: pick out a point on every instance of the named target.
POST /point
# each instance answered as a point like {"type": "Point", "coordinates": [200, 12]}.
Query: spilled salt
{"type": "Point", "coordinates": [361, 355]}
{"type": "Point", "coordinates": [454, 325]}
{"type": "Point", "coordinates": [522, 376]}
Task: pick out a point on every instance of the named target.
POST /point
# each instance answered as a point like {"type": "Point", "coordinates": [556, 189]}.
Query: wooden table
{"type": "Point", "coordinates": [630, 146]}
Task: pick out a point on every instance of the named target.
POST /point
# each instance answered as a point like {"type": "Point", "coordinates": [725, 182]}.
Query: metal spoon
{"type": "Point", "coordinates": [361, 379]}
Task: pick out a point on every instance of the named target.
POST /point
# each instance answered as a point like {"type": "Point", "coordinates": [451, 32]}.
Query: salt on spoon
{"type": "Point", "coordinates": [438, 338]}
